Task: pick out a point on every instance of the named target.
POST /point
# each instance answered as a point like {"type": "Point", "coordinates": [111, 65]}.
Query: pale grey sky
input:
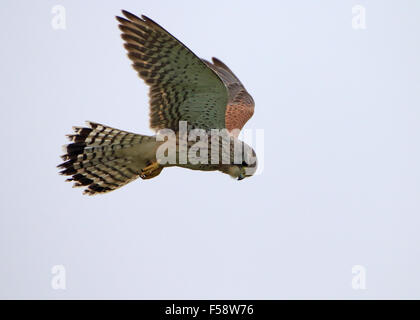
{"type": "Point", "coordinates": [341, 182]}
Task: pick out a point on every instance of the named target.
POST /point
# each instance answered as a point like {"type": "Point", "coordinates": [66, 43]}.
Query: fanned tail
{"type": "Point", "coordinates": [103, 159]}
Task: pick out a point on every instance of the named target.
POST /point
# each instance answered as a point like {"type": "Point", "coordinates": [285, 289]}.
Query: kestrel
{"type": "Point", "coordinates": [183, 89]}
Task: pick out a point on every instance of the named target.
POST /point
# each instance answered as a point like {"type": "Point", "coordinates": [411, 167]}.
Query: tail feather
{"type": "Point", "coordinates": [102, 158]}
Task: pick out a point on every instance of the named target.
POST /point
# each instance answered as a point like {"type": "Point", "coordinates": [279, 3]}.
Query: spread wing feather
{"type": "Point", "coordinates": [240, 106]}
{"type": "Point", "coordinates": [182, 86]}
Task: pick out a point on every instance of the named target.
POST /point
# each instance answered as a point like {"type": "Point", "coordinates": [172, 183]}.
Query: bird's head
{"type": "Point", "coordinates": [244, 170]}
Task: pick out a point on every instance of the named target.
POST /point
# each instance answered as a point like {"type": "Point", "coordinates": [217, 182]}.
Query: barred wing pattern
{"type": "Point", "coordinates": [182, 86]}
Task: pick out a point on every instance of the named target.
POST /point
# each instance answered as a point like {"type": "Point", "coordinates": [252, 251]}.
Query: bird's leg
{"type": "Point", "coordinates": [151, 171]}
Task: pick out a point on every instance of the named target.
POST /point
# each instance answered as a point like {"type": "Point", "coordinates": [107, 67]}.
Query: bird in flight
{"type": "Point", "coordinates": [183, 89]}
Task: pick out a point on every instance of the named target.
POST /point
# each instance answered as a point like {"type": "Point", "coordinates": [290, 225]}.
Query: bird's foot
{"type": "Point", "coordinates": [151, 171]}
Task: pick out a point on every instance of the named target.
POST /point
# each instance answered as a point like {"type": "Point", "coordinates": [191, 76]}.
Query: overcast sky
{"type": "Point", "coordinates": [340, 112]}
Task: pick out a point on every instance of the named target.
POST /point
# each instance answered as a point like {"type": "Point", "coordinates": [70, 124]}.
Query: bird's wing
{"type": "Point", "coordinates": [182, 86]}
{"type": "Point", "coordinates": [240, 106]}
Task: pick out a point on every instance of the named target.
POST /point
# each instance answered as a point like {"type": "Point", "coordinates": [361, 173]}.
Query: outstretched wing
{"type": "Point", "coordinates": [240, 106]}
{"type": "Point", "coordinates": [182, 86]}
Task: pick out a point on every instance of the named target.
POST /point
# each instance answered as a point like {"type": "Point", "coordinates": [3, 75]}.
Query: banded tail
{"type": "Point", "coordinates": [103, 159]}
